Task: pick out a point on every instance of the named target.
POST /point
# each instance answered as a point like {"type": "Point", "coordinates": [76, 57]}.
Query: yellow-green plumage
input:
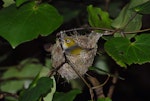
{"type": "Point", "coordinates": [71, 47]}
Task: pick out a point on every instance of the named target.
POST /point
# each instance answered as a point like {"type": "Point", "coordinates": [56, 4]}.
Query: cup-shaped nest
{"type": "Point", "coordinates": [81, 62]}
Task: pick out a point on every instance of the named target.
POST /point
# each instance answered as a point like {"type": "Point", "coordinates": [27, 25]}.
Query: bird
{"type": "Point", "coordinates": [71, 47]}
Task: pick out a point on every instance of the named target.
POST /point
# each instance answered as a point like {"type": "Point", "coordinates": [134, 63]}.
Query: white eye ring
{"type": "Point", "coordinates": [67, 40]}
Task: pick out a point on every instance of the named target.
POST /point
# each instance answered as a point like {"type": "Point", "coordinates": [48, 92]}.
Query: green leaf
{"type": "Point", "coordinates": [128, 20]}
{"type": "Point", "coordinates": [124, 52]}
{"type": "Point", "coordinates": [43, 86]}
{"type": "Point", "coordinates": [28, 68]}
{"type": "Point", "coordinates": [143, 8]}
{"type": "Point", "coordinates": [104, 99]}
{"type": "Point", "coordinates": [126, 14]}
{"type": "Point", "coordinates": [22, 76]}
{"type": "Point", "coordinates": [124, 19]}
{"type": "Point", "coordinates": [8, 2]}
{"type": "Point", "coordinates": [134, 3]}
{"type": "Point", "coordinates": [101, 66]}
{"type": "Point", "coordinates": [8, 98]}
{"type": "Point", "coordinates": [98, 18]}
{"type": "Point", "coordinates": [28, 22]}
{"type": "Point", "coordinates": [12, 86]}
{"type": "Point", "coordinates": [20, 2]}
{"type": "Point", "coordinates": [69, 96]}
{"type": "Point", "coordinates": [48, 63]}
{"type": "Point", "coordinates": [49, 96]}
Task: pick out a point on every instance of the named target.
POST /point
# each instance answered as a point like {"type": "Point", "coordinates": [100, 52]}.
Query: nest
{"type": "Point", "coordinates": [81, 62]}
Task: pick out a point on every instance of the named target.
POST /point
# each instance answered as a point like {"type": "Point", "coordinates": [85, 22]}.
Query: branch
{"type": "Point", "coordinates": [112, 87]}
{"type": "Point", "coordinates": [139, 31]}
{"type": "Point", "coordinates": [98, 90]}
{"type": "Point", "coordinates": [4, 94]}
{"type": "Point", "coordinates": [108, 31]}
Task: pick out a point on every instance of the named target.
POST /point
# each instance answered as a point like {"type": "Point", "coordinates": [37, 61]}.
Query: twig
{"type": "Point", "coordinates": [86, 28]}
{"type": "Point", "coordinates": [139, 31]}
{"type": "Point", "coordinates": [3, 94]}
{"type": "Point", "coordinates": [101, 85]}
{"type": "Point", "coordinates": [90, 88]}
{"type": "Point", "coordinates": [112, 31]}
{"type": "Point", "coordinates": [107, 5]}
{"type": "Point", "coordinates": [95, 83]}
{"type": "Point", "coordinates": [111, 75]}
{"type": "Point", "coordinates": [112, 87]}
{"type": "Point", "coordinates": [51, 73]}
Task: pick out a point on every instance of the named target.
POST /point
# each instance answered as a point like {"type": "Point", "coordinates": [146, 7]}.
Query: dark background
{"type": "Point", "coordinates": [135, 87]}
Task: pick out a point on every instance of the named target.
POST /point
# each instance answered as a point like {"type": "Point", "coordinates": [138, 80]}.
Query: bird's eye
{"type": "Point", "coordinates": [67, 40]}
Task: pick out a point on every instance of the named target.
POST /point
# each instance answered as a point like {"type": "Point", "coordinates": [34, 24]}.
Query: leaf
{"type": "Point", "coordinates": [124, 52]}
{"type": "Point", "coordinates": [104, 99]}
{"type": "Point", "coordinates": [8, 98]}
{"type": "Point", "coordinates": [28, 68]}
{"type": "Point", "coordinates": [49, 96]}
{"type": "Point", "coordinates": [123, 19]}
{"type": "Point", "coordinates": [143, 8]}
{"type": "Point", "coordinates": [23, 76]}
{"type": "Point", "coordinates": [69, 96]}
{"type": "Point", "coordinates": [43, 86]}
{"type": "Point", "coordinates": [8, 2]}
{"type": "Point", "coordinates": [48, 63]}
{"type": "Point", "coordinates": [12, 86]}
{"type": "Point", "coordinates": [128, 20]}
{"type": "Point", "coordinates": [44, 71]}
{"type": "Point", "coordinates": [20, 2]}
{"type": "Point", "coordinates": [28, 22]}
{"type": "Point", "coordinates": [134, 3]}
{"type": "Point", "coordinates": [101, 66]}
{"type": "Point", "coordinates": [98, 18]}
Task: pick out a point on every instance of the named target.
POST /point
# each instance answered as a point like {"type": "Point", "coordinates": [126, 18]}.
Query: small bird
{"type": "Point", "coordinates": [70, 46]}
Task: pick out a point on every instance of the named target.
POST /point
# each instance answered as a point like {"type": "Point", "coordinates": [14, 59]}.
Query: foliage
{"type": "Point", "coordinates": [127, 52]}
{"type": "Point", "coordinates": [28, 70]}
{"type": "Point", "coordinates": [143, 8]}
{"type": "Point", "coordinates": [19, 2]}
{"type": "Point", "coordinates": [98, 18]}
{"type": "Point", "coordinates": [25, 20]}
{"type": "Point", "coordinates": [43, 86]}
{"type": "Point", "coordinates": [28, 22]}
{"type": "Point", "coordinates": [69, 96]}
{"type": "Point", "coordinates": [104, 99]}
{"type": "Point", "coordinates": [121, 49]}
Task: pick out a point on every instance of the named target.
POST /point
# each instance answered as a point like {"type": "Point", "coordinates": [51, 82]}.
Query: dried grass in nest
{"type": "Point", "coordinates": [80, 62]}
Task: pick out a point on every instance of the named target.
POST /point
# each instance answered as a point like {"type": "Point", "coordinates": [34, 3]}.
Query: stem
{"type": "Point", "coordinates": [111, 75]}
{"type": "Point", "coordinates": [99, 90]}
{"type": "Point", "coordinates": [3, 94]}
{"type": "Point", "coordinates": [101, 85]}
{"type": "Point", "coordinates": [112, 87]}
{"type": "Point", "coordinates": [105, 29]}
{"type": "Point", "coordinates": [139, 31]}
{"type": "Point", "coordinates": [107, 5]}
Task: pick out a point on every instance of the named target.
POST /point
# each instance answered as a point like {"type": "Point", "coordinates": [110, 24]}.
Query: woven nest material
{"type": "Point", "coordinates": [80, 62]}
